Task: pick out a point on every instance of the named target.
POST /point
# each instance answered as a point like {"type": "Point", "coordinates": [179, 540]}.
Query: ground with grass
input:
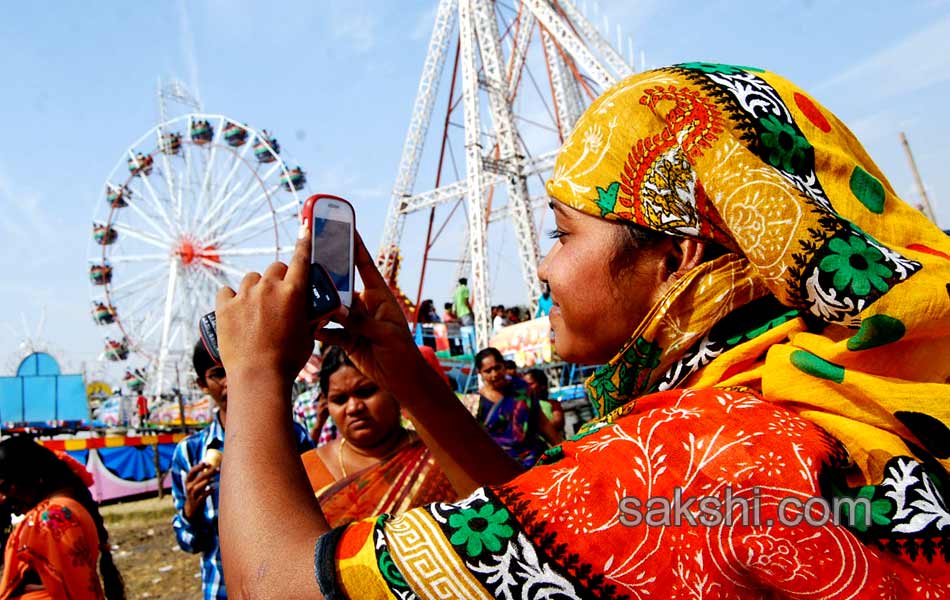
{"type": "Point", "coordinates": [146, 552]}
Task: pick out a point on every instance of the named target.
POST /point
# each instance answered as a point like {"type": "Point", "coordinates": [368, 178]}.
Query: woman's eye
{"type": "Point", "coordinates": [556, 233]}
{"type": "Point", "coordinates": [366, 392]}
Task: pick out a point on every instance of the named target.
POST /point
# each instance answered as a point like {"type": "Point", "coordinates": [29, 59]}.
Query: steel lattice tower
{"type": "Point", "coordinates": [579, 62]}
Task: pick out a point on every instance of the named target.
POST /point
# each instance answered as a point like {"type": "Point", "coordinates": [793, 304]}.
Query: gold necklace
{"type": "Point", "coordinates": [339, 452]}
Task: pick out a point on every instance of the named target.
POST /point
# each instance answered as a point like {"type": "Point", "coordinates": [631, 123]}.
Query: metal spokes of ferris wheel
{"type": "Point", "coordinates": [191, 206]}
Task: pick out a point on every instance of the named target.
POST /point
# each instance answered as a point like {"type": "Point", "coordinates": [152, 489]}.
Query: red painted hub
{"type": "Point", "coordinates": [189, 252]}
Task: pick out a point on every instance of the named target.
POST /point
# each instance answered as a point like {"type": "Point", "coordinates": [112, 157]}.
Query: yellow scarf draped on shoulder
{"type": "Point", "coordinates": [835, 299]}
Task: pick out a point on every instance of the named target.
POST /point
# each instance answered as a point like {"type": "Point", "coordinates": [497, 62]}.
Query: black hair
{"type": "Point", "coordinates": [485, 353]}
{"type": "Point", "coordinates": [510, 364]}
{"type": "Point", "coordinates": [202, 361]}
{"type": "Point", "coordinates": [541, 378]}
{"type": "Point", "coordinates": [463, 280]}
{"type": "Point", "coordinates": [25, 462]}
{"type": "Point", "coordinates": [333, 359]}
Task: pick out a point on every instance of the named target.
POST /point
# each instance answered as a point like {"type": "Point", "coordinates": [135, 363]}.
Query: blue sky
{"type": "Point", "coordinates": [335, 81]}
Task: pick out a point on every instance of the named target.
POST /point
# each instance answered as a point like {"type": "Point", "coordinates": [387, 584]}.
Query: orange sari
{"type": "Point", "coordinates": [408, 479]}
{"type": "Point", "coordinates": [53, 554]}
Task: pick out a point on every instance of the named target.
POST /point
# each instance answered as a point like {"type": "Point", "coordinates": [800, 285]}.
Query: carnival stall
{"type": "Point", "coordinates": [122, 465]}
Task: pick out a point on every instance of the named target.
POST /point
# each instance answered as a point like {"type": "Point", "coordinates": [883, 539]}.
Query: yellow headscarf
{"type": "Point", "coordinates": [835, 300]}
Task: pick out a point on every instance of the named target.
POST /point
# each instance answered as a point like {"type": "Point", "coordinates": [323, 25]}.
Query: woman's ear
{"type": "Point", "coordinates": [691, 253]}
{"type": "Point", "coordinates": [680, 256]}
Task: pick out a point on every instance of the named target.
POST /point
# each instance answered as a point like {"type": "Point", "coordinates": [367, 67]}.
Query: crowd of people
{"type": "Point", "coordinates": [460, 310]}
{"type": "Point", "coordinates": [770, 318]}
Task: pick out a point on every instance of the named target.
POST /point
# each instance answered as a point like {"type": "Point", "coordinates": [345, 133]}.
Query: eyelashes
{"type": "Point", "coordinates": [556, 234]}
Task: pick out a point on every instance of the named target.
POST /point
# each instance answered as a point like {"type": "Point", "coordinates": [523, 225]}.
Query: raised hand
{"type": "Point", "coordinates": [265, 327]}
{"type": "Point", "coordinates": [375, 333]}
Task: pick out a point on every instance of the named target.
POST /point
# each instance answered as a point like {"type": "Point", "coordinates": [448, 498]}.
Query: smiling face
{"type": "Point", "coordinates": [596, 307]}
{"type": "Point", "coordinates": [365, 414]}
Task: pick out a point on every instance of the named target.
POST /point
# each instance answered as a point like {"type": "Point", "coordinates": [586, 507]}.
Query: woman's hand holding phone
{"type": "Point", "coordinates": [267, 324]}
{"type": "Point", "coordinates": [375, 333]}
{"type": "Point", "coordinates": [265, 327]}
{"type": "Point", "coordinates": [266, 335]}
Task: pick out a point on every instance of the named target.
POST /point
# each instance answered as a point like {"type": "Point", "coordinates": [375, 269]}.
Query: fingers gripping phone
{"type": "Point", "coordinates": [332, 225]}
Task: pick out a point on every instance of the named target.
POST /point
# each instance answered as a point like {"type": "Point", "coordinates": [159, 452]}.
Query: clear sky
{"type": "Point", "coordinates": [335, 81]}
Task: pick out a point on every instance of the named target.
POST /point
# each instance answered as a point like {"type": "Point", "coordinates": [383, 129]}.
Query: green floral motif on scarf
{"type": "Point", "coordinates": [856, 263]}
{"type": "Point", "coordinates": [479, 529]}
{"type": "Point", "coordinates": [879, 513]}
{"type": "Point", "coordinates": [623, 378]}
{"type": "Point", "coordinates": [786, 146]}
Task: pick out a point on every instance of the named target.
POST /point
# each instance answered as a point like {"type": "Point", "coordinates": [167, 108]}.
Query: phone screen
{"type": "Point", "coordinates": [331, 248]}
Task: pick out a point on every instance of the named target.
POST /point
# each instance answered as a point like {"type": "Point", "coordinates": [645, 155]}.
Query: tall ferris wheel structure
{"type": "Point", "coordinates": [499, 47]}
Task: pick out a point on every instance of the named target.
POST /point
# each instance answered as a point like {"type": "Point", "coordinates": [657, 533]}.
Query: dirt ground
{"type": "Point", "coordinates": [148, 555]}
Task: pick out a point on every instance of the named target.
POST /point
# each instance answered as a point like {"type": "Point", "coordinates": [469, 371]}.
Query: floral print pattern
{"type": "Point", "coordinates": [481, 529]}
{"type": "Point", "coordinates": [856, 264]}
{"type": "Point", "coordinates": [786, 147]}
{"type": "Point", "coordinates": [556, 532]}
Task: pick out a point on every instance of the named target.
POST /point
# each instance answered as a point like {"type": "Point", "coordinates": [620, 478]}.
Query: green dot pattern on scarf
{"type": "Point", "coordinates": [816, 366]}
{"type": "Point", "coordinates": [875, 331]}
{"type": "Point", "coordinates": [868, 190]}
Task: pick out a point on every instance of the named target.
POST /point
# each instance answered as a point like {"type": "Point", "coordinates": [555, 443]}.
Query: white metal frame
{"type": "Point", "coordinates": [567, 36]}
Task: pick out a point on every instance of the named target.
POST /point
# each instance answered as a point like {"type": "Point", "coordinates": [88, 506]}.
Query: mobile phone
{"type": "Point", "coordinates": [207, 329]}
{"type": "Point", "coordinates": [324, 300]}
{"type": "Point", "coordinates": [332, 224]}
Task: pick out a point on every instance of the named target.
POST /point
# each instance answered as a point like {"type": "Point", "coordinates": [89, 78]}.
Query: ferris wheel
{"type": "Point", "coordinates": [191, 206]}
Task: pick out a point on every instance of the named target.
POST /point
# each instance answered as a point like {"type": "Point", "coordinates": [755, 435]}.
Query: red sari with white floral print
{"type": "Point", "coordinates": [564, 529]}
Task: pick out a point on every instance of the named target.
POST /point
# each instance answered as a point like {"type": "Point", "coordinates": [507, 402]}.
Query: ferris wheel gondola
{"type": "Point", "coordinates": [190, 207]}
{"type": "Point", "coordinates": [104, 234]}
{"type": "Point", "coordinates": [134, 379]}
{"type": "Point", "coordinates": [266, 148]}
{"type": "Point", "coordinates": [116, 350]}
{"type": "Point", "coordinates": [235, 135]}
{"type": "Point", "coordinates": [103, 314]}
{"type": "Point", "coordinates": [116, 196]}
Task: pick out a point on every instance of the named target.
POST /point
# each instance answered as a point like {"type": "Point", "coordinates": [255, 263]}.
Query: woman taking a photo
{"type": "Point", "coordinates": [768, 313]}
